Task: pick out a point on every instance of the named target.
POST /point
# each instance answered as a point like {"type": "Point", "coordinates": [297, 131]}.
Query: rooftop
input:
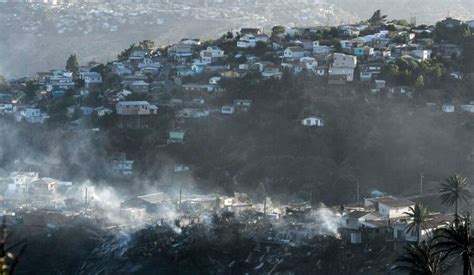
{"type": "Point", "coordinates": [153, 198]}
{"type": "Point", "coordinates": [356, 214]}
{"type": "Point", "coordinates": [394, 202]}
{"type": "Point", "coordinates": [296, 49]}
{"type": "Point", "coordinates": [130, 103]}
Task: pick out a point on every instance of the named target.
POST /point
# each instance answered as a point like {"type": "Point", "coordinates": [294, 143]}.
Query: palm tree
{"type": "Point", "coordinates": [9, 261]}
{"type": "Point", "coordinates": [456, 240]}
{"type": "Point", "coordinates": [454, 191]}
{"type": "Point", "coordinates": [419, 215]}
{"type": "Point", "coordinates": [421, 258]}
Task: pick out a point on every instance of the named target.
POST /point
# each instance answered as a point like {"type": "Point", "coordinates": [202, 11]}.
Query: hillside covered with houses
{"type": "Point", "coordinates": [376, 102]}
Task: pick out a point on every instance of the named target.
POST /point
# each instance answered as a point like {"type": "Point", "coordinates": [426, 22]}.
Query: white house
{"type": "Point", "coordinates": [243, 103]}
{"type": "Point", "coordinates": [90, 78]}
{"type": "Point", "coordinates": [272, 72]}
{"type": "Point", "coordinates": [448, 108]}
{"type": "Point", "coordinates": [227, 109]}
{"type": "Point", "coordinates": [137, 54]}
{"type": "Point", "coordinates": [127, 108]}
{"type": "Point", "coordinates": [18, 183]}
{"type": "Point", "coordinates": [343, 65]}
{"type": "Point", "coordinates": [346, 44]}
{"type": "Point", "coordinates": [432, 223]}
{"type": "Point", "coordinates": [390, 207]}
{"type": "Point", "coordinates": [123, 166]}
{"type": "Point", "coordinates": [380, 84]}
{"type": "Point", "coordinates": [245, 44]}
{"type": "Point", "coordinates": [120, 69]}
{"type": "Point", "coordinates": [102, 111]}
{"type": "Point", "coordinates": [343, 60]}
{"type": "Point", "coordinates": [60, 80]}
{"type": "Point", "coordinates": [139, 86]}
{"type": "Point", "coordinates": [6, 108]}
{"type": "Point", "coordinates": [312, 122]}
{"type": "Point", "coordinates": [260, 66]}
{"type": "Point", "coordinates": [309, 63]}
{"type": "Point", "coordinates": [421, 54]}
{"type": "Point", "coordinates": [31, 115]}
{"type": "Point", "coordinates": [344, 74]}
{"type": "Point", "coordinates": [356, 219]}
{"type": "Point", "coordinates": [148, 66]}
{"type": "Point", "coordinates": [322, 50]}
{"type": "Point", "coordinates": [180, 50]}
{"type": "Point", "coordinates": [247, 41]}
{"type": "Point", "coordinates": [468, 108]}
{"type": "Point", "coordinates": [210, 54]}
{"type": "Point", "coordinates": [293, 52]}
{"type": "Point", "coordinates": [214, 80]}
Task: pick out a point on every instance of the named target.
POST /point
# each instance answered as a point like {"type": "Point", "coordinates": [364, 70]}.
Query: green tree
{"type": "Point", "coordinates": [30, 90]}
{"type": "Point", "coordinates": [72, 64]}
{"type": "Point", "coordinates": [418, 215]}
{"type": "Point", "coordinates": [228, 35]}
{"type": "Point", "coordinates": [9, 260]}
{"type": "Point", "coordinates": [4, 86]}
{"type": "Point", "coordinates": [125, 54]}
{"type": "Point", "coordinates": [260, 48]}
{"type": "Point", "coordinates": [148, 45]}
{"type": "Point", "coordinates": [456, 241]}
{"type": "Point", "coordinates": [337, 46]}
{"type": "Point", "coordinates": [278, 30]}
{"type": "Point", "coordinates": [391, 72]}
{"type": "Point", "coordinates": [452, 31]}
{"type": "Point", "coordinates": [421, 259]}
{"type": "Point", "coordinates": [468, 56]}
{"type": "Point", "coordinates": [377, 19]}
{"type": "Point", "coordinates": [420, 83]}
{"type": "Point", "coordinates": [454, 191]}
{"type": "Point", "coordinates": [402, 22]}
{"type": "Point", "coordinates": [93, 99]}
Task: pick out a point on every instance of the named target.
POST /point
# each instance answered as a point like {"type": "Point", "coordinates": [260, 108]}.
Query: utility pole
{"type": "Point", "coordinates": [265, 207]}
{"type": "Point", "coordinates": [421, 183]}
{"type": "Point", "coordinates": [311, 197]}
{"type": "Point", "coordinates": [358, 192]}
{"type": "Point", "coordinates": [85, 202]}
{"type": "Point", "coordinates": [180, 197]}
{"type": "Point", "coordinates": [264, 200]}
